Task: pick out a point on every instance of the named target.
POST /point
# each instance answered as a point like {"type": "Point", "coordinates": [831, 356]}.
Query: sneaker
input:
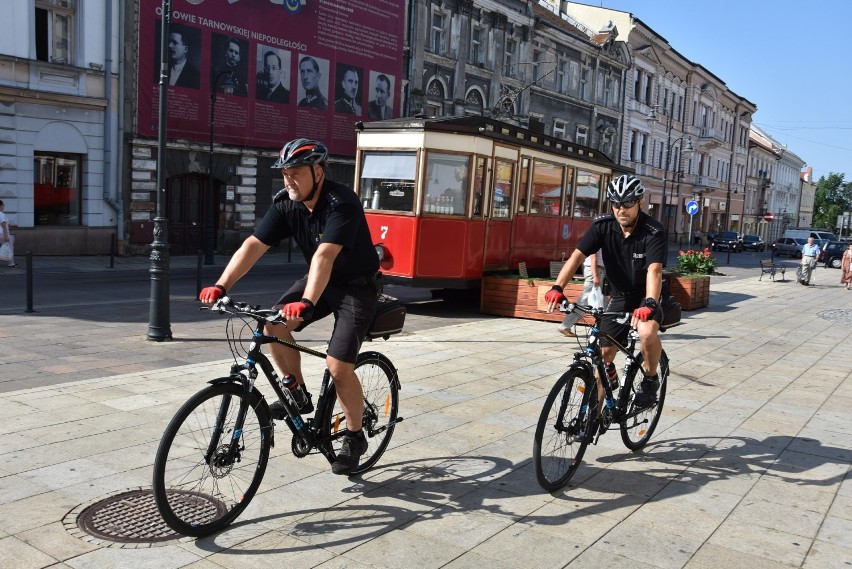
{"type": "Point", "coordinates": [646, 394]}
{"type": "Point", "coordinates": [354, 446]}
{"type": "Point", "coordinates": [276, 409]}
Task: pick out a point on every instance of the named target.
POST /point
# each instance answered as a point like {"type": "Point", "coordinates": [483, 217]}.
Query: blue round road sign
{"type": "Point", "coordinates": [691, 207]}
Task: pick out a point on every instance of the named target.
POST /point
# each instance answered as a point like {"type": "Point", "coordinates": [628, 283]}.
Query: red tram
{"type": "Point", "coordinates": [450, 199]}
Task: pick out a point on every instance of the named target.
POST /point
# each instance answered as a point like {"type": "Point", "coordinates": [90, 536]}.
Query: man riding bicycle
{"type": "Point", "coordinates": [634, 249]}
{"type": "Point", "coordinates": [327, 222]}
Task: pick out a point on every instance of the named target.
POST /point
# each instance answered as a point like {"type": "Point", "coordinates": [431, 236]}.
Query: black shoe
{"type": "Point", "coordinates": [354, 446]}
{"type": "Point", "coordinates": [276, 408]}
{"type": "Point", "coordinates": [646, 394]}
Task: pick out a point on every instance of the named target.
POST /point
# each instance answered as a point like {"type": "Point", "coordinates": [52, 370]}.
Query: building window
{"type": "Point", "coordinates": [476, 47]}
{"type": "Point", "coordinates": [536, 65]}
{"type": "Point", "coordinates": [54, 30]}
{"type": "Point", "coordinates": [56, 192]}
{"type": "Point", "coordinates": [559, 128]}
{"type": "Point", "coordinates": [574, 77]}
{"type": "Point", "coordinates": [438, 43]}
{"type": "Point", "coordinates": [562, 77]}
{"type": "Point", "coordinates": [584, 84]}
{"type": "Point", "coordinates": [509, 62]}
{"type": "Point", "coordinates": [582, 135]}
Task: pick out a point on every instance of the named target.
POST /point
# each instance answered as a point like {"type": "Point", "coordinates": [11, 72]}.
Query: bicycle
{"type": "Point", "coordinates": [574, 416]}
{"type": "Point", "coordinates": [215, 450]}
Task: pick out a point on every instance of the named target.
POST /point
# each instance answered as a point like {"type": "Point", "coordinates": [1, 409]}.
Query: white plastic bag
{"type": "Point", "coordinates": [596, 299]}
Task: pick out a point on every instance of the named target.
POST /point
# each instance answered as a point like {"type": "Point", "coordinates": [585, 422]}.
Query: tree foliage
{"type": "Point", "coordinates": [833, 197]}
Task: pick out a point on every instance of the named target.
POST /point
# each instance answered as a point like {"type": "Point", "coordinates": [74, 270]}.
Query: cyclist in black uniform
{"type": "Point", "coordinates": [327, 222]}
{"type": "Point", "coordinates": [634, 249]}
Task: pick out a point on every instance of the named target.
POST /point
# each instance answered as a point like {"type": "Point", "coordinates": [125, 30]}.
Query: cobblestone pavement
{"type": "Point", "coordinates": [750, 465]}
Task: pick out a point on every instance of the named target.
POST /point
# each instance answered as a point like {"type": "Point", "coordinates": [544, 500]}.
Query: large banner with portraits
{"type": "Point", "coordinates": [274, 69]}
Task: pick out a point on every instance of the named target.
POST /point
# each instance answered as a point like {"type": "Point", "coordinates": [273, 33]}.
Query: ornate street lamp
{"type": "Point", "coordinates": [211, 205]}
{"type": "Point", "coordinates": [686, 149]}
{"type": "Point", "coordinates": [159, 328]}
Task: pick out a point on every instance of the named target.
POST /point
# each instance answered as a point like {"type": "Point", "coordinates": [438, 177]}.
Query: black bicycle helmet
{"type": "Point", "coordinates": [301, 152]}
{"type": "Point", "coordinates": [625, 188]}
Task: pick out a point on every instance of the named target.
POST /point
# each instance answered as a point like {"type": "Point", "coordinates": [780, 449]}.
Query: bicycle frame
{"type": "Point", "coordinates": [614, 405]}
{"type": "Point", "coordinates": [304, 431]}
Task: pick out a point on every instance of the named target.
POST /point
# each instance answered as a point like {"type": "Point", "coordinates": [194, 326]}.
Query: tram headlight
{"type": "Point", "coordinates": [380, 251]}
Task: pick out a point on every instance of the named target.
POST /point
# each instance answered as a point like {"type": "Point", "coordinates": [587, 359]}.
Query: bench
{"type": "Point", "coordinates": [767, 266]}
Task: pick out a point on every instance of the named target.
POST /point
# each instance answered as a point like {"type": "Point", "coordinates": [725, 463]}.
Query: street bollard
{"type": "Point", "coordinates": [198, 275]}
{"type": "Point", "coordinates": [112, 245]}
{"type": "Point", "coordinates": [30, 281]}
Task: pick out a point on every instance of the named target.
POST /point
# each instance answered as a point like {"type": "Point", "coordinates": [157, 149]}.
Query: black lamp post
{"type": "Point", "coordinates": [159, 328]}
{"type": "Point", "coordinates": [687, 149]}
{"type": "Point", "coordinates": [211, 206]}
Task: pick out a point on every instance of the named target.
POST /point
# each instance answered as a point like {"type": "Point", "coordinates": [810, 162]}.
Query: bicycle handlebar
{"type": "Point", "coordinates": [567, 307]}
{"type": "Point", "coordinates": [227, 305]}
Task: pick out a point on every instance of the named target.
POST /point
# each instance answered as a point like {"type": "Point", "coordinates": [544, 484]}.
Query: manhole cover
{"type": "Point", "coordinates": [840, 315]}
{"type": "Point", "coordinates": [132, 519]}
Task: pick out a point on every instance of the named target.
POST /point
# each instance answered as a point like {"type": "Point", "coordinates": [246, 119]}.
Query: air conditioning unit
{"type": "Point", "coordinates": [722, 206]}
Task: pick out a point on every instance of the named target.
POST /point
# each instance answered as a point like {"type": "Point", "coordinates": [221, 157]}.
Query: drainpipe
{"type": "Point", "coordinates": [108, 162]}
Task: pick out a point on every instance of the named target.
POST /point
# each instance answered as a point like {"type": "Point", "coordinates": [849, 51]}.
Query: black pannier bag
{"type": "Point", "coordinates": [671, 307]}
{"type": "Point", "coordinates": [389, 318]}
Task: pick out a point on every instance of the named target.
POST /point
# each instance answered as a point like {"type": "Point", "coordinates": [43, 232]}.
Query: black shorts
{"type": "Point", "coordinates": [623, 304]}
{"type": "Point", "coordinates": [353, 306]}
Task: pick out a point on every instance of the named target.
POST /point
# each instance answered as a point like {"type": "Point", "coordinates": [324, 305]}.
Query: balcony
{"type": "Point", "coordinates": [707, 182]}
{"type": "Point", "coordinates": [711, 134]}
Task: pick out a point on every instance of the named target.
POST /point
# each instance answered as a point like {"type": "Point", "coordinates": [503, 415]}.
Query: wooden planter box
{"type": "Point", "coordinates": [521, 298]}
{"type": "Point", "coordinates": [690, 292]}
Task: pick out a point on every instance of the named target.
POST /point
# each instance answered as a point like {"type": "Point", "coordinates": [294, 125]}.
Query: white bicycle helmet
{"type": "Point", "coordinates": [625, 188]}
{"type": "Point", "coordinates": [301, 152]}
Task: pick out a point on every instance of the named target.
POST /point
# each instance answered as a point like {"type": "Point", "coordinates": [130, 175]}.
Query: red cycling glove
{"type": "Point", "coordinates": [646, 310]}
{"type": "Point", "coordinates": [555, 294]}
{"type": "Point", "coordinates": [212, 293]}
{"type": "Point", "coordinates": [303, 309]}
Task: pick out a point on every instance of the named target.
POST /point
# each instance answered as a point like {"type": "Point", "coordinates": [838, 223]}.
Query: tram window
{"type": "Point", "coordinates": [546, 188]}
{"type": "Point", "coordinates": [446, 184]}
{"type": "Point", "coordinates": [479, 187]}
{"type": "Point", "coordinates": [502, 190]}
{"type": "Point", "coordinates": [587, 196]}
{"type": "Point", "coordinates": [522, 185]}
{"type": "Point", "coordinates": [387, 180]}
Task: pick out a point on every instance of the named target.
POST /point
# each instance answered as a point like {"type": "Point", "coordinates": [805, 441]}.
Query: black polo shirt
{"type": "Point", "coordinates": [626, 260]}
{"type": "Point", "coordinates": [338, 218]}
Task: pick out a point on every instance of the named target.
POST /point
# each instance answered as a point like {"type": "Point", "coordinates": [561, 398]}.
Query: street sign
{"type": "Point", "coordinates": [769, 216]}
{"type": "Point", "coordinates": [691, 207]}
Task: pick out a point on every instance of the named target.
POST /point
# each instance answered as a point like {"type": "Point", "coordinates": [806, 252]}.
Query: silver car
{"type": "Point", "coordinates": [789, 246]}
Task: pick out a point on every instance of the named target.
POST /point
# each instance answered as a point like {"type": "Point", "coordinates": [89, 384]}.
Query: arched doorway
{"type": "Point", "coordinates": [186, 206]}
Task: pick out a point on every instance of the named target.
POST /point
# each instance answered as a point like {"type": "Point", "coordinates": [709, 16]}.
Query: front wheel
{"type": "Point", "coordinates": [207, 469]}
{"type": "Point", "coordinates": [380, 385]}
{"type": "Point", "coordinates": [638, 425]}
{"type": "Point", "coordinates": [565, 427]}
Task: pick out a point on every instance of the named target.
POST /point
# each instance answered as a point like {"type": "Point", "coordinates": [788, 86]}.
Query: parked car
{"type": "Point", "coordinates": [832, 252]}
{"type": "Point", "coordinates": [727, 241]}
{"type": "Point", "coordinates": [789, 246]}
{"type": "Point", "coordinates": [753, 243]}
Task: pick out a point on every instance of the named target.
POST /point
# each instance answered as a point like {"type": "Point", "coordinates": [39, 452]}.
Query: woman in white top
{"type": "Point", "coordinates": [5, 236]}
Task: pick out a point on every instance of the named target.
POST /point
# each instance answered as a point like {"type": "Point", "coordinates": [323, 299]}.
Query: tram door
{"type": "Point", "coordinates": [498, 225]}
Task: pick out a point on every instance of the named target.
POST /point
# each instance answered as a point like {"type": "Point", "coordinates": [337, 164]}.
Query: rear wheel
{"type": "Point", "coordinates": [201, 483]}
{"type": "Point", "coordinates": [565, 427]}
{"type": "Point", "coordinates": [638, 425]}
{"type": "Point", "coordinates": [381, 405]}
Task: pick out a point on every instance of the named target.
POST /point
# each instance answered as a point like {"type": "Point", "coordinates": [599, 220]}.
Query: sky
{"type": "Point", "coordinates": [788, 58]}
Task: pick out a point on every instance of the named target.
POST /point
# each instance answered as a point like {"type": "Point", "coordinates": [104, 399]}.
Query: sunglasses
{"type": "Point", "coordinates": [624, 205]}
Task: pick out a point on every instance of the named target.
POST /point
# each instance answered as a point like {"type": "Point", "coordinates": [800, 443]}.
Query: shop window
{"type": "Point", "coordinates": [56, 191]}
